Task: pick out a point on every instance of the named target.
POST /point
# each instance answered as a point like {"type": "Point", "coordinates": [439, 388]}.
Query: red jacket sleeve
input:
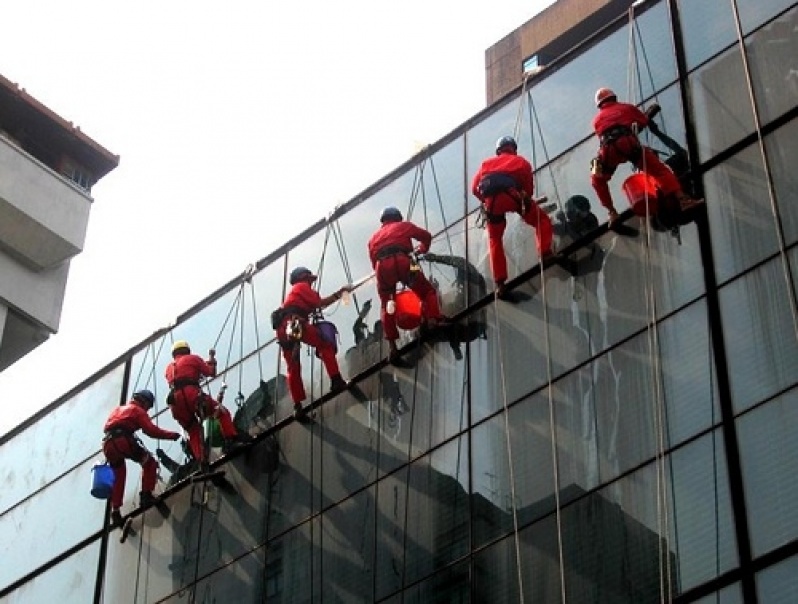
{"type": "Point", "coordinates": [146, 425]}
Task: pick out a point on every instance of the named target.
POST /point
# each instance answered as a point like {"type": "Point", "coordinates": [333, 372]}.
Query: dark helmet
{"type": "Point", "coordinates": [301, 273]}
{"type": "Point", "coordinates": [577, 205]}
{"type": "Point", "coordinates": [505, 144]}
{"type": "Point", "coordinates": [145, 397]}
{"type": "Point", "coordinates": [391, 214]}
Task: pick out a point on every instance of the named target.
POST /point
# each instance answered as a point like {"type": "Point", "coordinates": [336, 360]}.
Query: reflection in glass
{"type": "Point", "coordinates": [768, 449]}
{"type": "Point", "coordinates": [761, 343]}
{"type": "Point", "coordinates": [782, 149]}
{"type": "Point", "coordinates": [779, 583]}
{"type": "Point", "coordinates": [771, 57]}
{"type": "Point", "coordinates": [722, 111]}
{"type": "Point", "coordinates": [740, 215]}
{"type": "Point", "coordinates": [72, 580]}
{"type": "Point", "coordinates": [707, 28]}
{"type": "Point", "coordinates": [34, 458]}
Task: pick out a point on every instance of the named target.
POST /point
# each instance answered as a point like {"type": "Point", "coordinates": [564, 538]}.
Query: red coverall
{"type": "Point", "coordinates": [183, 375]}
{"type": "Point", "coordinates": [120, 443]}
{"type": "Point", "coordinates": [300, 303]}
{"type": "Point", "coordinates": [388, 251]}
{"type": "Point", "coordinates": [621, 146]}
{"type": "Point", "coordinates": [499, 204]}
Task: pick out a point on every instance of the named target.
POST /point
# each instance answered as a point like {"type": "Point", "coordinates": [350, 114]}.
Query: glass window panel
{"type": "Point", "coordinates": [707, 28]}
{"type": "Point", "coordinates": [722, 111]}
{"type": "Point", "coordinates": [768, 449]}
{"type": "Point", "coordinates": [439, 197]}
{"type": "Point", "coordinates": [34, 458]}
{"type": "Point", "coordinates": [740, 215]}
{"type": "Point", "coordinates": [72, 580]}
{"type": "Point", "coordinates": [516, 475]}
{"type": "Point", "coordinates": [729, 595]}
{"type": "Point", "coordinates": [450, 585]}
{"type": "Point", "coordinates": [771, 56]}
{"type": "Point", "coordinates": [761, 345]}
{"type": "Point", "coordinates": [688, 373]}
{"type": "Point", "coordinates": [702, 535]}
{"type": "Point", "coordinates": [148, 368]}
{"type": "Point", "coordinates": [754, 13]}
{"type": "Point", "coordinates": [347, 550]}
{"type": "Point", "coordinates": [242, 582]}
{"type": "Point", "coordinates": [298, 490]}
{"type": "Point", "coordinates": [782, 149]}
{"type": "Point", "coordinates": [498, 575]}
{"type": "Point", "coordinates": [778, 584]}
{"type": "Point", "coordinates": [292, 568]}
{"type": "Point", "coordinates": [43, 518]}
{"type": "Point", "coordinates": [422, 518]}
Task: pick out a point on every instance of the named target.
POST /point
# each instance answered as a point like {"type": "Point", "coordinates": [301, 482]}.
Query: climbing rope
{"type": "Point", "coordinates": [654, 357]}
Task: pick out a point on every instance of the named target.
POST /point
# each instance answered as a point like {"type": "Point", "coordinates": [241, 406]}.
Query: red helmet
{"type": "Point", "coordinates": [605, 94]}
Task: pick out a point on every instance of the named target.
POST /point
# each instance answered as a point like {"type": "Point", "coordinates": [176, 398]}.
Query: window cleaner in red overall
{"type": "Point", "coordinates": [293, 326]}
{"type": "Point", "coordinates": [503, 184]}
{"type": "Point", "coordinates": [390, 249]}
{"type": "Point", "coordinates": [616, 124]}
{"type": "Point", "coordinates": [121, 443]}
{"type": "Point", "coordinates": [190, 406]}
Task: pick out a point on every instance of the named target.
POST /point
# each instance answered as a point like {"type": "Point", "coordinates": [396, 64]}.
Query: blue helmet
{"type": "Point", "coordinates": [301, 273]}
{"type": "Point", "coordinates": [145, 397]}
{"type": "Point", "coordinates": [506, 143]}
{"type": "Point", "coordinates": [391, 214]}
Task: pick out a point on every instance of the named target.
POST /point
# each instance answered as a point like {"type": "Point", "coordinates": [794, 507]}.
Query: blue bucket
{"type": "Point", "coordinates": [102, 481]}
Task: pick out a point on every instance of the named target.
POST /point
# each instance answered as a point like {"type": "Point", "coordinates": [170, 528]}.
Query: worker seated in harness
{"type": "Point", "coordinates": [295, 323]}
{"type": "Point", "coordinates": [393, 258]}
{"type": "Point", "coordinates": [120, 443]}
{"type": "Point", "coordinates": [504, 184]}
{"type": "Point", "coordinates": [190, 406]}
{"type": "Point", "coordinates": [616, 124]}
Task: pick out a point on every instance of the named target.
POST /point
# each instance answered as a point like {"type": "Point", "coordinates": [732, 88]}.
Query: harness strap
{"type": "Point", "coordinates": [611, 135]}
{"type": "Point", "coordinates": [391, 250]}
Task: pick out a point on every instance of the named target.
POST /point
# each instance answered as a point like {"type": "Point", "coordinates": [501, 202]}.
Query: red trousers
{"type": "Point", "coordinates": [629, 149]}
{"type": "Point", "coordinates": [191, 405]}
{"type": "Point", "coordinates": [393, 270]}
{"type": "Point", "coordinates": [291, 349]}
{"type": "Point", "coordinates": [502, 204]}
{"type": "Point", "coordinates": [116, 451]}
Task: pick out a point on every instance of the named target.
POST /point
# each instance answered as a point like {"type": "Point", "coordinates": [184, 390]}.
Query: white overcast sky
{"type": "Point", "coordinates": [238, 124]}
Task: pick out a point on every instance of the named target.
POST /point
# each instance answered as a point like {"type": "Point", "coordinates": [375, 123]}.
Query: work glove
{"type": "Point", "coordinates": [653, 110]}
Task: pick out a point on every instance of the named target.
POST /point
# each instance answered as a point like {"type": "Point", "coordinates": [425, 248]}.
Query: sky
{"type": "Point", "coordinates": [237, 128]}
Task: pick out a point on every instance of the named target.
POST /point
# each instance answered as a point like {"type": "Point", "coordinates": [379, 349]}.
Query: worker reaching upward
{"type": "Point", "coordinates": [120, 443]}
{"type": "Point", "coordinates": [504, 184]}
{"type": "Point", "coordinates": [190, 405]}
{"type": "Point", "coordinates": [390, 249]}
{"type": "Point", "coordinates": [616, 124]}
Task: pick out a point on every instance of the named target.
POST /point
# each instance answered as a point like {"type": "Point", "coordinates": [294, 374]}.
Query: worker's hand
{"type": "Point", "coordinates": [212, 353]}
{"type": "Point", "coordinates": [613, 216]}
{"type": "Point", "coordinates": [174, 436]}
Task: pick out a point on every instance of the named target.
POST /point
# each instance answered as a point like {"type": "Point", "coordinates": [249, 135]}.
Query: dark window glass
{"type": "Point", "coordinates": [779, 583]}
{"type": "Point", "coordinates": [782, 149]}
{"type": "Point", "coordinates": [740, 214]}
{"type": "Point", "coordinates": [774, 72]}
{"type": "Point", "coordinates": [761, 344]}
{"type": "Point", "coordinates": [707, 28]}
{"type": "Point", "coordinates": [721, 105]}
{"type": "Point", "coordinates": [768, 450]}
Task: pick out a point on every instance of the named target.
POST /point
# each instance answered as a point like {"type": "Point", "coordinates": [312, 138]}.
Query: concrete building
{"type": "Point", "coordinates": [627, 434]}
{"type": "Point", "coordinates": [47, 170]}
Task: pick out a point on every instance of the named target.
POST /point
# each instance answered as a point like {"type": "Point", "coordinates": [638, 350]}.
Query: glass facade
{"type": "Point", "coordinates": [624, 435]}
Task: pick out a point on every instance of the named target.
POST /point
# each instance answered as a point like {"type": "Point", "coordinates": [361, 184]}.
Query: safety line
{"type": "Point", "coordinates": [768, 177]}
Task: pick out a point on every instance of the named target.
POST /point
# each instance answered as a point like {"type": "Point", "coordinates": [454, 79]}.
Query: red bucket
{"type": "Point", "coordinates": [408, 309]}
{"type": "Point", "coordinates": [642, 192]}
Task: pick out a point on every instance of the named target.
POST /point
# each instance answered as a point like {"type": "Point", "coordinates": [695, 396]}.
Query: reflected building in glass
{"type": "Point", "coordinates": [626, 434]}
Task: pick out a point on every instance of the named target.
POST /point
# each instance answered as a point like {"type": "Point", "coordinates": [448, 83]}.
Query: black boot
{"type": "Point", "coordinates": [146, 499]}
{"type": "Point", "coordinates": [116, 518]}
{"type": "Point", "coordinates": [337, 383]}
{"type": "Point", "coordinates": [240, 439]}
